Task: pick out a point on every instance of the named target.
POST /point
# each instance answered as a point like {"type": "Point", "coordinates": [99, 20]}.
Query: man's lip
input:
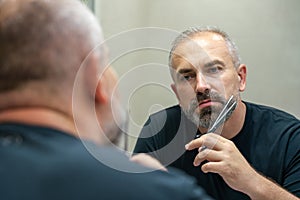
{"type": "Point", "coordinates": [206, 103]}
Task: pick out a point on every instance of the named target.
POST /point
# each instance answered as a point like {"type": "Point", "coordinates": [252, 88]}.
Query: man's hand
{"type": "Point", "coordinates": [148, 161]}
{"type": "Point", "coordinates": [223, 158]}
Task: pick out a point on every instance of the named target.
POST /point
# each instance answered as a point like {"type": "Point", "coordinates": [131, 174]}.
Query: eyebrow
{"type": "Point", "coordinates": [209, 64]}
{"type": "Point", "coordinates": [214, 62]}
{"type": "Point", "coordinates": [184, 71]}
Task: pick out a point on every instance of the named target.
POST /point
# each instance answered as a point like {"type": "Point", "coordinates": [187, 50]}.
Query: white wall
{"type": "Point", "coordinates": [266, 33]}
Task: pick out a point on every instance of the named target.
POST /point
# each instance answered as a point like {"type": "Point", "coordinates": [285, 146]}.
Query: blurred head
{"type": "Point", "coordinates": [206, 70]}
{"type": "Point", "coordinates": [43, 41]}
{"type": "Point", "coordinates": [43, 45]}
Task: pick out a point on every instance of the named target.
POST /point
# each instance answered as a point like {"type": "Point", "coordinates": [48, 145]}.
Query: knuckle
{"type": "Point", "coordinates": [229, 146]}
{"type": "Point", "coordinates": [199, 156]}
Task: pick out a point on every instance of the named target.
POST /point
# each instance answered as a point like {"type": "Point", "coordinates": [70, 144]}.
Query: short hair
{"type": "Point", "coordinates": [40, 40]}
{"type": "Point", "coordinates": [193, 31]}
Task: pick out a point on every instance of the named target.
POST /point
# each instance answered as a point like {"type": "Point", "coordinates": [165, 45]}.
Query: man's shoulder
{"type": "Point", "coordinates": [271, 121]}
{"type": "Point", "coordinates": [110, 168]}
{"type": "Point", "coordinates": [270, 112]}
{"type": "Point", "coordinates": [84, 169]}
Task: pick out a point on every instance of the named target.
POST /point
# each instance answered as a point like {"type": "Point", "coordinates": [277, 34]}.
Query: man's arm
{"type": "Point", "coordinates": [225, 159]}
{"type": "Point", "coordinates": [263, 188]}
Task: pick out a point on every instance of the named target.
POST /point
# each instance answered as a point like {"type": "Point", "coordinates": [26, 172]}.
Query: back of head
{"type": "Point", "coordinates": [43, 43]}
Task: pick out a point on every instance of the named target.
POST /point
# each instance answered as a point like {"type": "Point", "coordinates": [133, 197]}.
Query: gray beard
{"type": "Point", "coordinates": [205, 119]}
{"type": "Point", "coordinates": [207, 116]}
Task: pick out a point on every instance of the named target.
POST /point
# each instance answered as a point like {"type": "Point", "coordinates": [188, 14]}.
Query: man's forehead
{"type": "Point", "coordinates": [200, 43]}
{"type": "Point", "coordinates": [201, 48]}
{"type": "Point", "coordinates": [203, 40]}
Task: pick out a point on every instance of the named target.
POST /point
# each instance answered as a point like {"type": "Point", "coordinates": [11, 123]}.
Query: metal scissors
{"type": "Point", "coordinates": [228, 108]}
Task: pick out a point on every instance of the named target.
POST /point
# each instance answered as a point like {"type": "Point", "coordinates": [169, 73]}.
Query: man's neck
{"type": "Point", "coordinates": [39, 116]}
{"type": "Point", "coordinates": [236, 122]}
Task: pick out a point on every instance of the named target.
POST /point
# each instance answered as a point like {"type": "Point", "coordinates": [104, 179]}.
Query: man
{"type": "Point", "coordinates": [254, 154]}
{"type": "Point", "coordinates": [50, 99]}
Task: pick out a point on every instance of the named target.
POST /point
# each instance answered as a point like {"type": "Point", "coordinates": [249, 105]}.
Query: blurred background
{"type": "Point", "coordinates": [266, 33]}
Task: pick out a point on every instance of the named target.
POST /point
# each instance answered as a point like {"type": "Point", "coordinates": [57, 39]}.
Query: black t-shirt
{"type": "Point", "coordinates": [269, 140]}
{"type": "Point", "coordinates": [43, 163]}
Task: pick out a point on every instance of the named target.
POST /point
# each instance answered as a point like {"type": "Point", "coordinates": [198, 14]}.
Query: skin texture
{"type": "Point", "coordinates": [203, 65]}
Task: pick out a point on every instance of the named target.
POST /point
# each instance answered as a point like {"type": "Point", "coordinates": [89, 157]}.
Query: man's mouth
{"type": "Point", "coordinates": [205, 103]}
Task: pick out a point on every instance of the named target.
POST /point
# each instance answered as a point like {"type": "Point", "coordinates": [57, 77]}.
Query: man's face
{"type": "Point", "coordinates": [204, 77]}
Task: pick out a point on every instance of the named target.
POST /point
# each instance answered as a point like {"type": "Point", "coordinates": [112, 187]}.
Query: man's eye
{"type": "Point", "coordinates": [214, 70]}
{"type": "Point", "coordinates": [186, 77]}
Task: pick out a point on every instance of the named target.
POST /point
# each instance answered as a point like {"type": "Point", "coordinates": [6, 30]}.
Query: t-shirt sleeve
{"type": "Point", "coordinates": [154, 138]}
{"type": "Point", "coordinates": [145, 142]}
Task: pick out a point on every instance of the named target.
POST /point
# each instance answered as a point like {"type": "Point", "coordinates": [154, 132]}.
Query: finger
{"type": "Point", "coordinates": [196, 143]}
{"type": "Point", "coordinates": [213, 167]}
{"type": "Point", "coordinates": [217, 136]}
{"type": "Point", "coordinates": [208, 140]}
{"type": "Point", "coordinates": [209, 155]}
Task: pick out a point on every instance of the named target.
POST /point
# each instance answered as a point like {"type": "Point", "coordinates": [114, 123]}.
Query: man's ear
{"type": "Point", "coordinates": [95, 85]}
{"type": "Point", "coordinates": [173, 86]}
{"type": "Point", "coordinates": [101, 95]}
{"type": "Point", "coordinates": [106, 86]}
{"type": "Point", "coordinates": [242, 73]}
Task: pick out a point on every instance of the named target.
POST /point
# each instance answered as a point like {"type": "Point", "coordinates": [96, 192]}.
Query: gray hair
{"type": "Point", "coordinates": [42, 40]}
{"type": "Point", "coordinates": [189, 33]}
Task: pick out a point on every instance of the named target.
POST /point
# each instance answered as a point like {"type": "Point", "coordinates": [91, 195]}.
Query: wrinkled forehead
{"type": "Point", "coordinates": [200, 48]}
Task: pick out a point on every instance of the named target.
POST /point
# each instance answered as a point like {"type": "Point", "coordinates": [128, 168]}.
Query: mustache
{"type": "Point", "coordinates": [213, 96]}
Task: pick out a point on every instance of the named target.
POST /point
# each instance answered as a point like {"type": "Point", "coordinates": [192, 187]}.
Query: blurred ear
{"type": "Point", "coordinates": [97, 79]}
{"type": "Point", "coordinates": [106, 86]}
{"type": "Point", "coordinates": [94, 86]}
{"type": "Point", "coordinates": [242, 73]}
{"type": "Point", "coordinates": [101, 95]}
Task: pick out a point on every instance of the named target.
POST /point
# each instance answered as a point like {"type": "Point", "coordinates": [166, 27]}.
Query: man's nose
{"type": "Point", "coordinates": [202, 84]}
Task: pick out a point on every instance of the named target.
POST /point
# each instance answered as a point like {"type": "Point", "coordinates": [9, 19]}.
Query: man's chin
{"type": "Point", "coordinates": [205, 121]}
{"type": "Point", "coordinates": [207, 117]}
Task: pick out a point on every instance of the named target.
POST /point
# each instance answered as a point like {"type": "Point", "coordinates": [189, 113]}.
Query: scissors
{"type": "Point", "coordinates": [228, 108]}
